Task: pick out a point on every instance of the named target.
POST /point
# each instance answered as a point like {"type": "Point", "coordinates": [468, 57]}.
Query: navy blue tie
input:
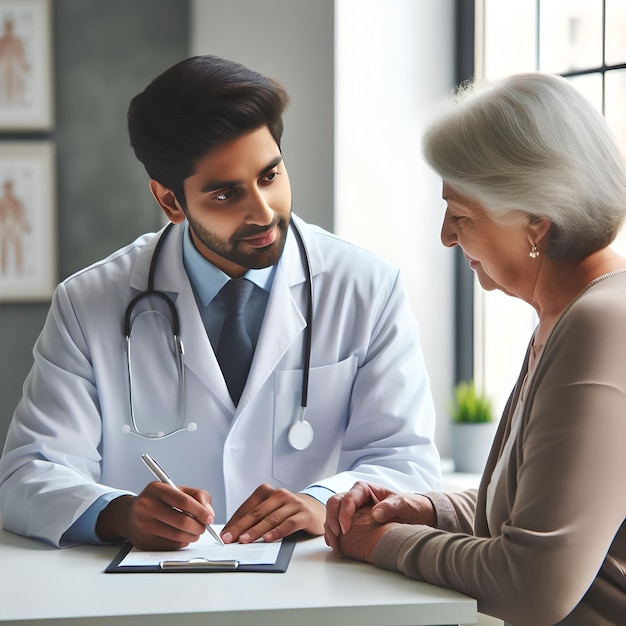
{"type": "Point", "coordinates": [235, 349]}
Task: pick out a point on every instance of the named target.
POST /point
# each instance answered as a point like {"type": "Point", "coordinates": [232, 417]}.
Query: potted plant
{"type": "Point", "coordinates": [473, 428]}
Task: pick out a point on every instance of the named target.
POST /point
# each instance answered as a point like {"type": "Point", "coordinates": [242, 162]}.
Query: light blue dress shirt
{"type": "Point", "coordinates": [206, 281]}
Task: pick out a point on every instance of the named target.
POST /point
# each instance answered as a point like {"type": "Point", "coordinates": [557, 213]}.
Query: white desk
{"type": "Point", "coordinates": [40, 584]}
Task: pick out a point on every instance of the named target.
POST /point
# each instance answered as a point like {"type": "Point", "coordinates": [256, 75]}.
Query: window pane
{"type": "Point", "coordinates": [570, 35]}
{"type": "Point", "coordinates": [615, 51]}
{"type": "Point", "coordinates": [615, 85]}
{"type": "Point", "coordinates": [590, 85]}
{"type": "Point", "coordinates": [503, 329]}
{"type": "Point", "coordinates": [509, 37]}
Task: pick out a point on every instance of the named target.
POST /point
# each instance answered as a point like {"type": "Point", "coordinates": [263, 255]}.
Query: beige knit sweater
{"type": "Point", "coordinates": [556, 552]}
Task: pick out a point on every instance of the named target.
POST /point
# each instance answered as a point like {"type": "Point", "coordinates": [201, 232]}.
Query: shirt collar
{"type": "Point", "coordinates": [207, 280]}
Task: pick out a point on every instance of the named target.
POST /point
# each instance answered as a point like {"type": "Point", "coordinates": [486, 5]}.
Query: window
{"type": "Point", "coordinates": [583, 40]}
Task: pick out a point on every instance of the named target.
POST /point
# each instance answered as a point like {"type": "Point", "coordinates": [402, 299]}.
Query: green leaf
{"type": "Point", "coordinates": [469, 405]}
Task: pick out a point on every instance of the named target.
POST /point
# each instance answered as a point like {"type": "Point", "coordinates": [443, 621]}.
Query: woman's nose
{"type": "Point", "coordinates": [448, 232]}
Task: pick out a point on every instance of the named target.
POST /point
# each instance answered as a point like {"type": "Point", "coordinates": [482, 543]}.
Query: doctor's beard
{"type": "Point", "coordinates": [232, 249]}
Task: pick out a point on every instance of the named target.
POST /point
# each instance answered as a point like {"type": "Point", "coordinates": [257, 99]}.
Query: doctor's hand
{"type": "Point", "coordinates": [385, 505]}
{"type": "Point", "coordinates": [273, 514]}
{"type": "Point", "coordinates": [159, 518]}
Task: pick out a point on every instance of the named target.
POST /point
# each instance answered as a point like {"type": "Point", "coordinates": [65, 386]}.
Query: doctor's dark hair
{"type": "Point", "coordinates": [195, 106]}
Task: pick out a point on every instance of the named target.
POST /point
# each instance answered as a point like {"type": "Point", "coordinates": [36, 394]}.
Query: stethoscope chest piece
{"type": "Point", "coordinates": [300, 435]}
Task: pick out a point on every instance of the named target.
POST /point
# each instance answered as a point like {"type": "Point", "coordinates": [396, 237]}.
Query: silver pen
{"type": "Point", "coordinates": [154, 467]}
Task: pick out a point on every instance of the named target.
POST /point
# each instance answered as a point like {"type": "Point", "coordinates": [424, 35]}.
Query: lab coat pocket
{"type": "Point", "coordinates": [330, 390]}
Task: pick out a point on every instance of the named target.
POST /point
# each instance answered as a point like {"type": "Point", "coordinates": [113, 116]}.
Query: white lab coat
{"type": "Point", "coordinates": [369, 398]}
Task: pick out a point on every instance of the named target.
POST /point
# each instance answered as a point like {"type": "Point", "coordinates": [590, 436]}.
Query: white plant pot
{"type": "Point", "coordinates": [471, 444]}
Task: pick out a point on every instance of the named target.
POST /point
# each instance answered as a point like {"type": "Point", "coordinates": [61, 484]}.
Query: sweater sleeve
{"type": "Point", "coordinates": [455, 511]}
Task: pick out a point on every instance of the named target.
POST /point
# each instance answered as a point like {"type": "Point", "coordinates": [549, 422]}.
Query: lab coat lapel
{"type": "Point", "coordinates": [284, 321]}
{"type": "Point", "coordinates": [199, 354]}
{"type": "Point", "coordinates": [170, 277]}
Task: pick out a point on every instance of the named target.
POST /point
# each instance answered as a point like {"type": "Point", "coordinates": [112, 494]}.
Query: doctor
{"type": "Point", "coordinates": [119, 372]}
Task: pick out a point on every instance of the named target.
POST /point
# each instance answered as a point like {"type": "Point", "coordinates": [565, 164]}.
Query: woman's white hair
{"type": "Point", "coordinates": [532, 143]}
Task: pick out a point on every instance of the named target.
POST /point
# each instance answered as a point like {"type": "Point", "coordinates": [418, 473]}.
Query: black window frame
{"type": "Point", "coordinates": [465, 11]}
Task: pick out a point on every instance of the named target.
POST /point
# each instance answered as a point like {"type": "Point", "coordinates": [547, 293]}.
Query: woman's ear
{"type": "Point", "coordinates": [167, 201]}
{"type": "Point", "coordinates": [538, 227]}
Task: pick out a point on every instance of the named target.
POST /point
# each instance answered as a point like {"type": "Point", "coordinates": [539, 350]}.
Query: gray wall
{"type": "Point", "coordinates": [104, 53]}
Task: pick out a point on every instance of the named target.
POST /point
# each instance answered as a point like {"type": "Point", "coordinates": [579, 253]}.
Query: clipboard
{"type": "Point", "coordinates": [196, 565]}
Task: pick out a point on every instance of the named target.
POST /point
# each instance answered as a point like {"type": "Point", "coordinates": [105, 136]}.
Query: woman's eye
{"type": "Point", "coordinates": [456, 218]}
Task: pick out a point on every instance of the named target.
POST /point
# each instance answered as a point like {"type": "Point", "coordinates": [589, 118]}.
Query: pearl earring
{"type": "Point", "coordinates": [534, 253]}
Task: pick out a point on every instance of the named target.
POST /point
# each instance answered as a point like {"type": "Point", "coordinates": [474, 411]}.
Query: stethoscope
{"type": "Point", "coordinates": [300, 433]}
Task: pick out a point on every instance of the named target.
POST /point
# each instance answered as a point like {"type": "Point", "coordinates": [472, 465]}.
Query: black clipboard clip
{"type": "Point", "coordinates": [200, 563]}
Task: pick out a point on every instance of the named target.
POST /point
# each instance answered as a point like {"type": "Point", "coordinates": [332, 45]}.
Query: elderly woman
{"type": "Point", "coordinates": [535, 189]}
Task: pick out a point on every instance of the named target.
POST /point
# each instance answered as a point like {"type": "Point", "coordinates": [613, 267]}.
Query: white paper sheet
{"type": "Point", "coordinates": [258, 553]}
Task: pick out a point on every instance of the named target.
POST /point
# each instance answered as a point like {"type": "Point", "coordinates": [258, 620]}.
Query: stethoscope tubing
{"type": "Point", "coordinates": [179, 349]}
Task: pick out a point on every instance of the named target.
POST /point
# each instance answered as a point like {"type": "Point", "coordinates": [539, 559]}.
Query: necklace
{"type": "Point", "coordinates": [536, 348]}
{"type": "Point", "coordinates": [601, 278]}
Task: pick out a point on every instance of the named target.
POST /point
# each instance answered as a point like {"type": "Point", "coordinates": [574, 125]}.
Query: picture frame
{"type": "Point", "coordinates": [28, 255]}
{"type": "Point", "coordinates": [26, 91]}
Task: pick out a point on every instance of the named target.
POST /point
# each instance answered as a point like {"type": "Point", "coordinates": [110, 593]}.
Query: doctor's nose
{"type": "Point", "coordinates": [258, 210]}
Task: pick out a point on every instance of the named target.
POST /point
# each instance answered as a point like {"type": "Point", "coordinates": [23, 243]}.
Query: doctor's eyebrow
{"type": "Point", "coordinates": [223, 184]}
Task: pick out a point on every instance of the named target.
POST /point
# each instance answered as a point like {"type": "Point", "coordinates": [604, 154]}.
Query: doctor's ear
{"type": "Point", "coordinates": [167, 201]}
